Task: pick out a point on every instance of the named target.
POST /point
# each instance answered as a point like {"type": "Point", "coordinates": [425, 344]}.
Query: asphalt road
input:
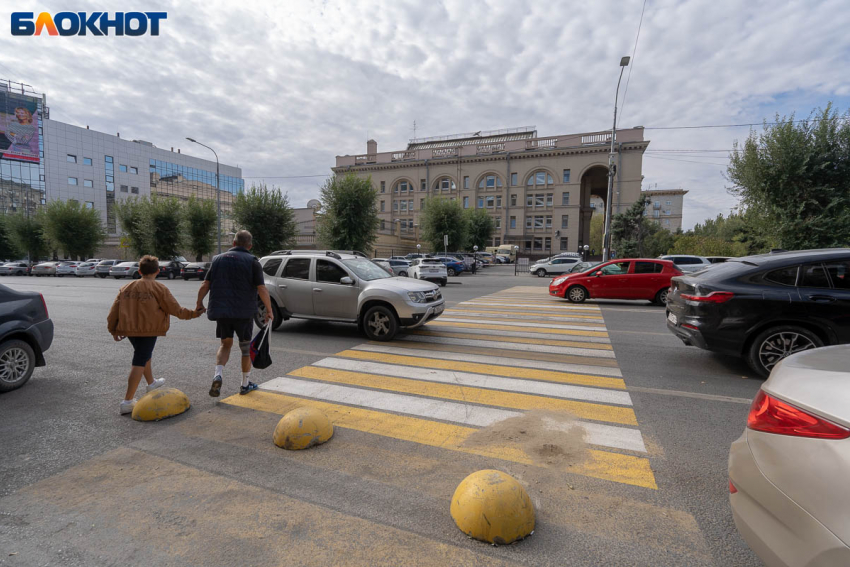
{"type": "Point", "coordinates": [82, 485]}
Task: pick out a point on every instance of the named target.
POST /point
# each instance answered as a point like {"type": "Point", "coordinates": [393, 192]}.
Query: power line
{"type": "Point", "coordinates": [629, 78]}
{"type": "Point", "coordinates": [741, 125]}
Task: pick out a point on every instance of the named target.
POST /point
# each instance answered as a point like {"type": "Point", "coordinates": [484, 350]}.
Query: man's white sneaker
{"type": "Point", "coordinates": [156, 384]}
{"type": "Point", "coordinates": [126, 406]}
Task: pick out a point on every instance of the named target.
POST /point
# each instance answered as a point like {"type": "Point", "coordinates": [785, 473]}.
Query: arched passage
{"type": "Point", "coordinates": [594, 183]}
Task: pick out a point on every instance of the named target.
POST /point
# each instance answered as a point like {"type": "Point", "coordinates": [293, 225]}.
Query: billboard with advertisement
{"type": "Point", "coordinates": [19, 122]}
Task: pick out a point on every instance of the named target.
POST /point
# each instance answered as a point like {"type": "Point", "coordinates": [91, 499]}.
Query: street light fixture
{"type": "Point", "coordinates": [217, 189]}
{"type": "Point", "coordinates": [612, 169]}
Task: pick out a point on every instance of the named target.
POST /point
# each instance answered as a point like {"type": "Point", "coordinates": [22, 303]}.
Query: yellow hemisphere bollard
{"type": "Point", "coordinates": [302, 428]}
{"type": "Point", "coordinates": [492, 506]}
{"type": "Point", "coordinates": [159, 404]}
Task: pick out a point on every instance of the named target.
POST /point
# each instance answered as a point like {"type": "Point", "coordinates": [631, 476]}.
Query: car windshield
{"type": "Point", "coordinates": [366, 269]}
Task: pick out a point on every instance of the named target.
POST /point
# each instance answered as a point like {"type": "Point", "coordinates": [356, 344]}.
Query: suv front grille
{"type": "Point", "coordinates": [433, 295]}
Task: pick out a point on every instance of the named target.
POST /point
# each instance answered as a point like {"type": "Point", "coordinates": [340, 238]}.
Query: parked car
{"type": "Point", "coordinates": [93, 260]}
{"type": "Point", "coordinates": [717, 259]}
{"type": "Point", "coordinates": [125, 269]}
{"type": "Point", "coordinates": [44, 269]}
{"type": "Point", "coordinates": [14, 269]}
{"type": "Point", "coordinates": [384, 264]}
{"type": "Point", "coordinates": [413, 256]}
{"type": "Point", "coordinates": [787, 470]}
{"type": "Point", "coordinates": [66, 269]}
{"type": "Point", "coordinates": [553, 266]}
{"type": "Point", "coordinates": [687, 263]}
{"type": "Point", "coordinates": [344, 287]}
{"type": "Point", "coordinates": [103, 267]}
{"type": "Point", "coordinates": [399, 267]}
{"type": "Point", "coordinates": [85, 269]}
{"type": "Point", "coordinates": [583, 267]}
{"type": "Point", "coordinates": [765, 307]}
{"type": "Point", "coordinates": [453, 266]}
{"type": "Point", "coordinates": [431, 269]}
{"type": "Point", "coordinates": [195, 270]}
{"type": "Point", "coordinates": [635, 278]}
{"type": "Point", "coordinates": [26, 331]}
{"type": "Point", "coordinates": [170, 270]}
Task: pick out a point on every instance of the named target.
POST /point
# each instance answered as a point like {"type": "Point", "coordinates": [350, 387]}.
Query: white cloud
{"type": "Point", "coordinates": [281, 88]}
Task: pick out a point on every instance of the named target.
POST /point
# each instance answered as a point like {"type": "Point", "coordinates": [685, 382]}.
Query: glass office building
{"type": "Point", "coordinates": [22, 180]}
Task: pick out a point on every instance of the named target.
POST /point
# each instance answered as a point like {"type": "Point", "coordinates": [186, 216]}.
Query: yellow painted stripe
{"type": "Point", "coordinates": [582, 410]}
{"type": "Point", "coordinates": [512, 317]}
{"type": "Point", "coordinates": [505, 353]}
{"type": "Point", "coordinates": [493, 369]}
{"type": "Point", "coordinates": [535, 308]}
{"type": "Point", "coordinates": [521, 340]}
{"type": "Point", "coordinates": [605, 465]}
{"type": "Point", "coordinates": [439, 323]}
{"type": "Point", "coordinates": [472, 309]}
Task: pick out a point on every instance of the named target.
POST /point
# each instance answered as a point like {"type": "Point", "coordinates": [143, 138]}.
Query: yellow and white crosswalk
{"type": "Point", "coordinates": [481, 362]}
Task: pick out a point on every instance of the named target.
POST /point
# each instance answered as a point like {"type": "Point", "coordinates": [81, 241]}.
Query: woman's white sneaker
{"type": "Point", "coordinates": [156, 384]}
{"type": "Point", "coordinates": [126, 406]}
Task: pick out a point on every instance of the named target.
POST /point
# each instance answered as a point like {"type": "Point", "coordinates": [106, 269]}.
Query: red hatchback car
{"type": "Point", "coordinates": [631, 278]}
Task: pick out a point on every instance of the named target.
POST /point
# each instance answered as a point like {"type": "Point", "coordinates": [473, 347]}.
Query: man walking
{"type": "Point", "coordinates": [233, 281]}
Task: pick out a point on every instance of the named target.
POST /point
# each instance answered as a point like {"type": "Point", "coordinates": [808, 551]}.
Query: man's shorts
{"type": "Point", "coordinates": [243, 328]}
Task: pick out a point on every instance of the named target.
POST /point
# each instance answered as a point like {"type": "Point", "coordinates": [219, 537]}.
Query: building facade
{"type": "Point", "coordinates": [537, 189]}
{"type": "Point", "coordinates": [665, 206]}
{"type": "Point", "coordinates": [22, 171]}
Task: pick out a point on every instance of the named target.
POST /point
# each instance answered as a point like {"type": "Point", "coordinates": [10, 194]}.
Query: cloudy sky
{"type": "Point", "coordinates": [281, 87]}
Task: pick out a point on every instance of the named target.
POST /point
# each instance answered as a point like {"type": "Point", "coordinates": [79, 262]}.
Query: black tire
{"type": "Point", "coordinates": [185, 279]}
{"type": "Point", "coordinates": [443, 283]}
{"type": "Point", "coordinates": [102, 276]}
{"type": "Point", "coordinates": [118, 277]}
{"type": "Point", "coordinates": [451, 272]}
{"type": "Point", "coordinates": [661, 297]}
{"type": "Point", "coordinates": [773, 344]}
{"type": "Point", "coordinates": [261, 311]}
{"type": "Point", "coordinates": [402, 274]}
{"type": "Point", "coordinates": [17, 361]}
{"type": "Point", "coordinates": [171, 275]}
{"type": "Point", "coordinates": [576, 294]}
{"type": "Point", "coordinates": [380, 324]}
{"type": "Point", "coordinates": [137, 276]}
{"type": "Point", "coordinates": [59, 275]}
{"type": "Point", "coordinates": [541, 273]}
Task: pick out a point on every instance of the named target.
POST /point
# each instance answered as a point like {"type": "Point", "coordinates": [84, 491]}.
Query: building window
{"type": "Point", "coordinates": [383, 225]}
{"type": "Point", "coordinates": [497, 222]}
{"type": "Point", "coordinates": [466, 202]}
{"type": "Point", "coordinates": [122, 168]}
{"type": "Point", "coordinates": [565, 198]}
{"type": "Point", "coordinates": [134, 170]}
{"type": "Point", "coordinates": [538, 244]}
{"type": "Point", "coordinates": [565, 221]}
{"type": "Point", "coordinates": [110, 178]}
{"type": "Point", "coordinates": [539, 200]}
{"type": "Point", "coordinates": [497, 242]}
{"type": "Point", "coordinates": [513, 200]}
{"type": "Point", "coordinates": [566, 176]}
{"type": "Point", "coordinates": [108, 159]}
{"type": "Point", "coordinates": [445, 184]}
{"type": "Point", "coordinates": [403, 187]}
{"type": "Point", "coordinates": [466, 182]}
{"type": "Point", "coordinates": [410, 205]}
{"type": "Point", "coordinates": [71, 159]}
{"type": "Point", "coordinates": [124, 188]}
{"type": "Point", "coordinates": [528, 222]}
{"type": "Point", "coordinates": [499, 202]}
{"type": "Point", "coordinates": [666, 222]}
{"type": "Point", "coordinates": [513, 179]}
{"type": "Point", "coordinates": [383, 186]}
{"type": "Point", "coordinates": [548, 221]}
{"type": "Point", "coordinates": [72, 181]}
{"type": "Point", "coordinates": [540, 179]}
{"type": "Point", "coordinates": [513, 222]}
{"type": "Point", "coordinates": [88, 183]}
{"type": "Point", "coordinates": [547, 243]}
{"type": "Point", "coordinates": [669, 203]}
{"type": "Point", "coordinates": [480, 202]}
{"type": "Point", "coordinates": [564, 243]}
{"type": "Point", "coordinates": [656, 214]}
{"type": "Point", "coordinates": [529, 200]}
{"type": "Point", "coordinates": [404, 206]}
{"type": "Point", "coordinates": [423, 185]}
{"type": "Point", "coordinates": [490, 202]}
{"type": "Point", "coordinates": [395, 205]}
{"type": "Point", "coordinates": [134, 190]}
{"type": "Point", "coordinates": [549, 199]}
{"type": "Point", "coordinates": [383, 206]}
{"type": "Point", "coordinates": [86, 161]}
{"type": "Point", "coordinates": [538, 222]}
{"type": "Point", "coordinates": [89, 205]}
{"type": "Point", "coordinates": [421, 204]}
{"type": "Point", "coordinates": [593, 206]}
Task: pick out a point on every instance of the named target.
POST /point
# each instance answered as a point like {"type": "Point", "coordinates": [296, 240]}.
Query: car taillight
{"type": "Point", "coordinates": [713, 297]}
{"type": "Point", "coordinates": [732, 489]}
{"type": "Point", "coordinates": [769, 415]}
{"type": "Point", "coordinates": [44, 304]}
{"type": "Point", "coordinates": [182, 271]}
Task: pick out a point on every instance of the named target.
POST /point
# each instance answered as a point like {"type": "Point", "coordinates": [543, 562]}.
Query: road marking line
{"type": "Point", "coordinates": [548, 330]}
{"type": "Point", "coordinates": [489, 361]}
{"type": "Point", "coordinates": [615, 467]}
{"type": "Point", "coordinates": [697, 395]}
{"type": "Point", "coordinates": [615, 437]}
{"type": "Point", "coordinates": [480, 381]}
{"type": "Point", "coordinates": [521, 354]}
{"type": "Point", "coordinates": [514, 346]}
{"type": "Point", "coordinates": [538, 323]}
{"type": "Point", "coordinates": [509, 334]}
{"type": "Point", "coordinates": [509, 339]}
{"type": "Point", "coordinates": [530, 306]}
{"type": "Point", "coordinates": [468, 395]}
{"type": "Point", "coordinates": [525, 315]}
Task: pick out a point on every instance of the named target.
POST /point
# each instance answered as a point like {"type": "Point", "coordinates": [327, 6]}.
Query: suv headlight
{"type": "Point", "coordinates": [417, 297]}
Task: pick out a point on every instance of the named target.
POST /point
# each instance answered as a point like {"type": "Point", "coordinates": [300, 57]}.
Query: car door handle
{"type": "Point", "coordinates": [283, 285]}
{"type": "Point", "coordinates": [317, 289]}
{"type": "Point", "coordinates": [822, 298]}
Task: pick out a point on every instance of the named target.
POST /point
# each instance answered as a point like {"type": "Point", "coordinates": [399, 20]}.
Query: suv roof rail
{"type": "Point", "coordinates": [333, 255]}
{"type": "Point", "coordinates": [281, 253]}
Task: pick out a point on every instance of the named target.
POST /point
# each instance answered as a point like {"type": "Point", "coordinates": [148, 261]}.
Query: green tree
{"type": "Point", "coordinates": [135, 224]}
{"type": "Point", "coordinates": [201, 225]}
{"type": "Point", "coordinates": [165, 216]}
{"type": "Point", "coordinates": [349, 214]}
{"type": "Point", "coordinates": [795, 179]}
{"type": "Point", "coordinates": [707, 246]}
{"type": "Point", "coordinates": [440, 217]}
{"type": "Point", "coordinates": [597, 228]}
{"type": "Point", "coordinates": [480, 228]}
{"type": "Point", "coordinates": [28, 234]}
{"type": "Point", "coordinates": [8, 248]}
{"type": "Point", "coordinates": [77, 230]}
{"type": "Point", "coordinates": [658, 241]}
{"type": "Point", "coordinates": [629, 229]}
{"type": "Point", "coordinates": [266, 214]}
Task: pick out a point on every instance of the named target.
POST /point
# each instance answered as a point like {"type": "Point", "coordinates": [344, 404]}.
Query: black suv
{"type": "Point", "coordinates": [26, 332]}
{"type": "Point", "coordinates": [765, 307]}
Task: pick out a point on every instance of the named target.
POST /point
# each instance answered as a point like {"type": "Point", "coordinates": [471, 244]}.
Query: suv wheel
{"type": "Point", "coordinates": [380, 324]}
{"type": "Point", "coordinates": [541, 273]}
{"type": "Point", "coordinates": [171, 275]}
{"type": "Point", "coordinates": [451, 272]}
{"type": "Point", "coordinates": [402, 274]}
{"type": "Point", "coordinates": [137, 275]}
{"type": "Point", "coordinates": [261, 313]}
{"type": "Point", "coordinates": [577, 294]}
{"type": "Point", "coordinates": [774, 344]}
{"type": "Point", "coordinates": [17, 361]}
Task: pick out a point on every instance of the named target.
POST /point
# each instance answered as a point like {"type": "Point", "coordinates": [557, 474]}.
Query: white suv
{"type": "Point", "coordinates": [331, 286]}
{"type": "Point", "coordinates": [432, 269]}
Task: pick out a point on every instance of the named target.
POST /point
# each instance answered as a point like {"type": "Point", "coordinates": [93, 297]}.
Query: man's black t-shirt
{"type": "Point", "coordinates": [234, 277]}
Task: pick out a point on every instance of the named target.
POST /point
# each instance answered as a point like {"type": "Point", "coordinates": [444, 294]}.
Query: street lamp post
{"type": "Point", "coordinates": [217, 190]}
{"type": "Point", "coordinates": [612, 170]}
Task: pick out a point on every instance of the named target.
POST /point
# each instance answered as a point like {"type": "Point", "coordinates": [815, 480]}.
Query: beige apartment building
{"type": "Point", "coordinates": [537, 189]}
{"type": "Point", "coordinates": [665, 207]}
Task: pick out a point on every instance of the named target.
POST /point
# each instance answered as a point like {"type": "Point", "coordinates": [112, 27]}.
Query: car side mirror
{"type": "Point", "coordinates": [597, 274]}
{"type": "Point", "coordinates": [346, 280]}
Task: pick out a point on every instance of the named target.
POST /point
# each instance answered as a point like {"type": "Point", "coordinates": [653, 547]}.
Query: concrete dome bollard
{"type": "Point", "coordinates": [302, 428]}
{"type": "Point", "coordinates": [160, 404]}
{"type": "Point", "coordinates": [492, 506]}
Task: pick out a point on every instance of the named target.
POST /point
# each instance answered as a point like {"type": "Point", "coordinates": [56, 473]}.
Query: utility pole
{"type": "Point", "coordinates": [612, 170]}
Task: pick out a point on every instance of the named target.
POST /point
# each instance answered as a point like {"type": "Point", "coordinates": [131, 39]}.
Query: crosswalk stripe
{"type": "Point", "coordinates": [514, 346]}
{"type": "Point", "coordinates": [591, 357]}
{"type": "Point", "coordinates": [510, 334]}
{"type": "Point", "coordinates": [490, 361]}
{"type": "Point", "coordinates": [526, 315]}
{"type": "Point", "coordinates": [498, 326]}
{"type": "Point", "coordinates": [491, 382]}
{"type": "Point", "coordinates": [531, 306]}
{"type": "Point", "coordinates": [468, 394]}
{"type": "Point", "coordinates": [598, 434]}
{"type": "Point", "coordinates": [615, 467]}
{"type": "Point", "coordinates": [507, 339]}
{"type": "Point", "coordinates": [534, 322]}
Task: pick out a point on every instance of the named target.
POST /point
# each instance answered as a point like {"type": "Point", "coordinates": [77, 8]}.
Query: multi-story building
{"type": "Point", "coordinates": [664, 206]}
{"type": "Point", "coordinates": [537, 189]}
{"type": "Point", "coordinates": [22, 177]}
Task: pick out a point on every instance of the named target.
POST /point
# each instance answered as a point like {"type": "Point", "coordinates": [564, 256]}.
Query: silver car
{"type": "Point", "coordinates": [125, 270]}
{"type": "Point", "coordinates": [788, 472]}
{"type": "Point", "coordinates": [14, 269]}
{"type": "Point", "coordinates": [333, 286]}
{"type": "Point", "coordinates": [66, 269]}
{"type": "Point", "coordinates": [687, 263]}
{"type": "Point", "coordinates": [85, 269]}
{"type": "Point", "coordinates": [553, 266]}
{"type": "Point", "coordinates": [44, 269]}
{"type": "Point", "coordinates": [103, 267]}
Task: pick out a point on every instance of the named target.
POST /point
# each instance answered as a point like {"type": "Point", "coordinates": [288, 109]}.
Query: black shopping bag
{"type": "Point", "coordinates": [260, 357]}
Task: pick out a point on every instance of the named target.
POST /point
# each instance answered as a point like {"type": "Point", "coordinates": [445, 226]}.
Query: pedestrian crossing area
{"type": "Point", "coordinates": [483, 361]}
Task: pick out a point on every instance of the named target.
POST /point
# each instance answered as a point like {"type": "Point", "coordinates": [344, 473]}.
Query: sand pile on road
{"type": "Point", "coordinates": [548, 438]}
